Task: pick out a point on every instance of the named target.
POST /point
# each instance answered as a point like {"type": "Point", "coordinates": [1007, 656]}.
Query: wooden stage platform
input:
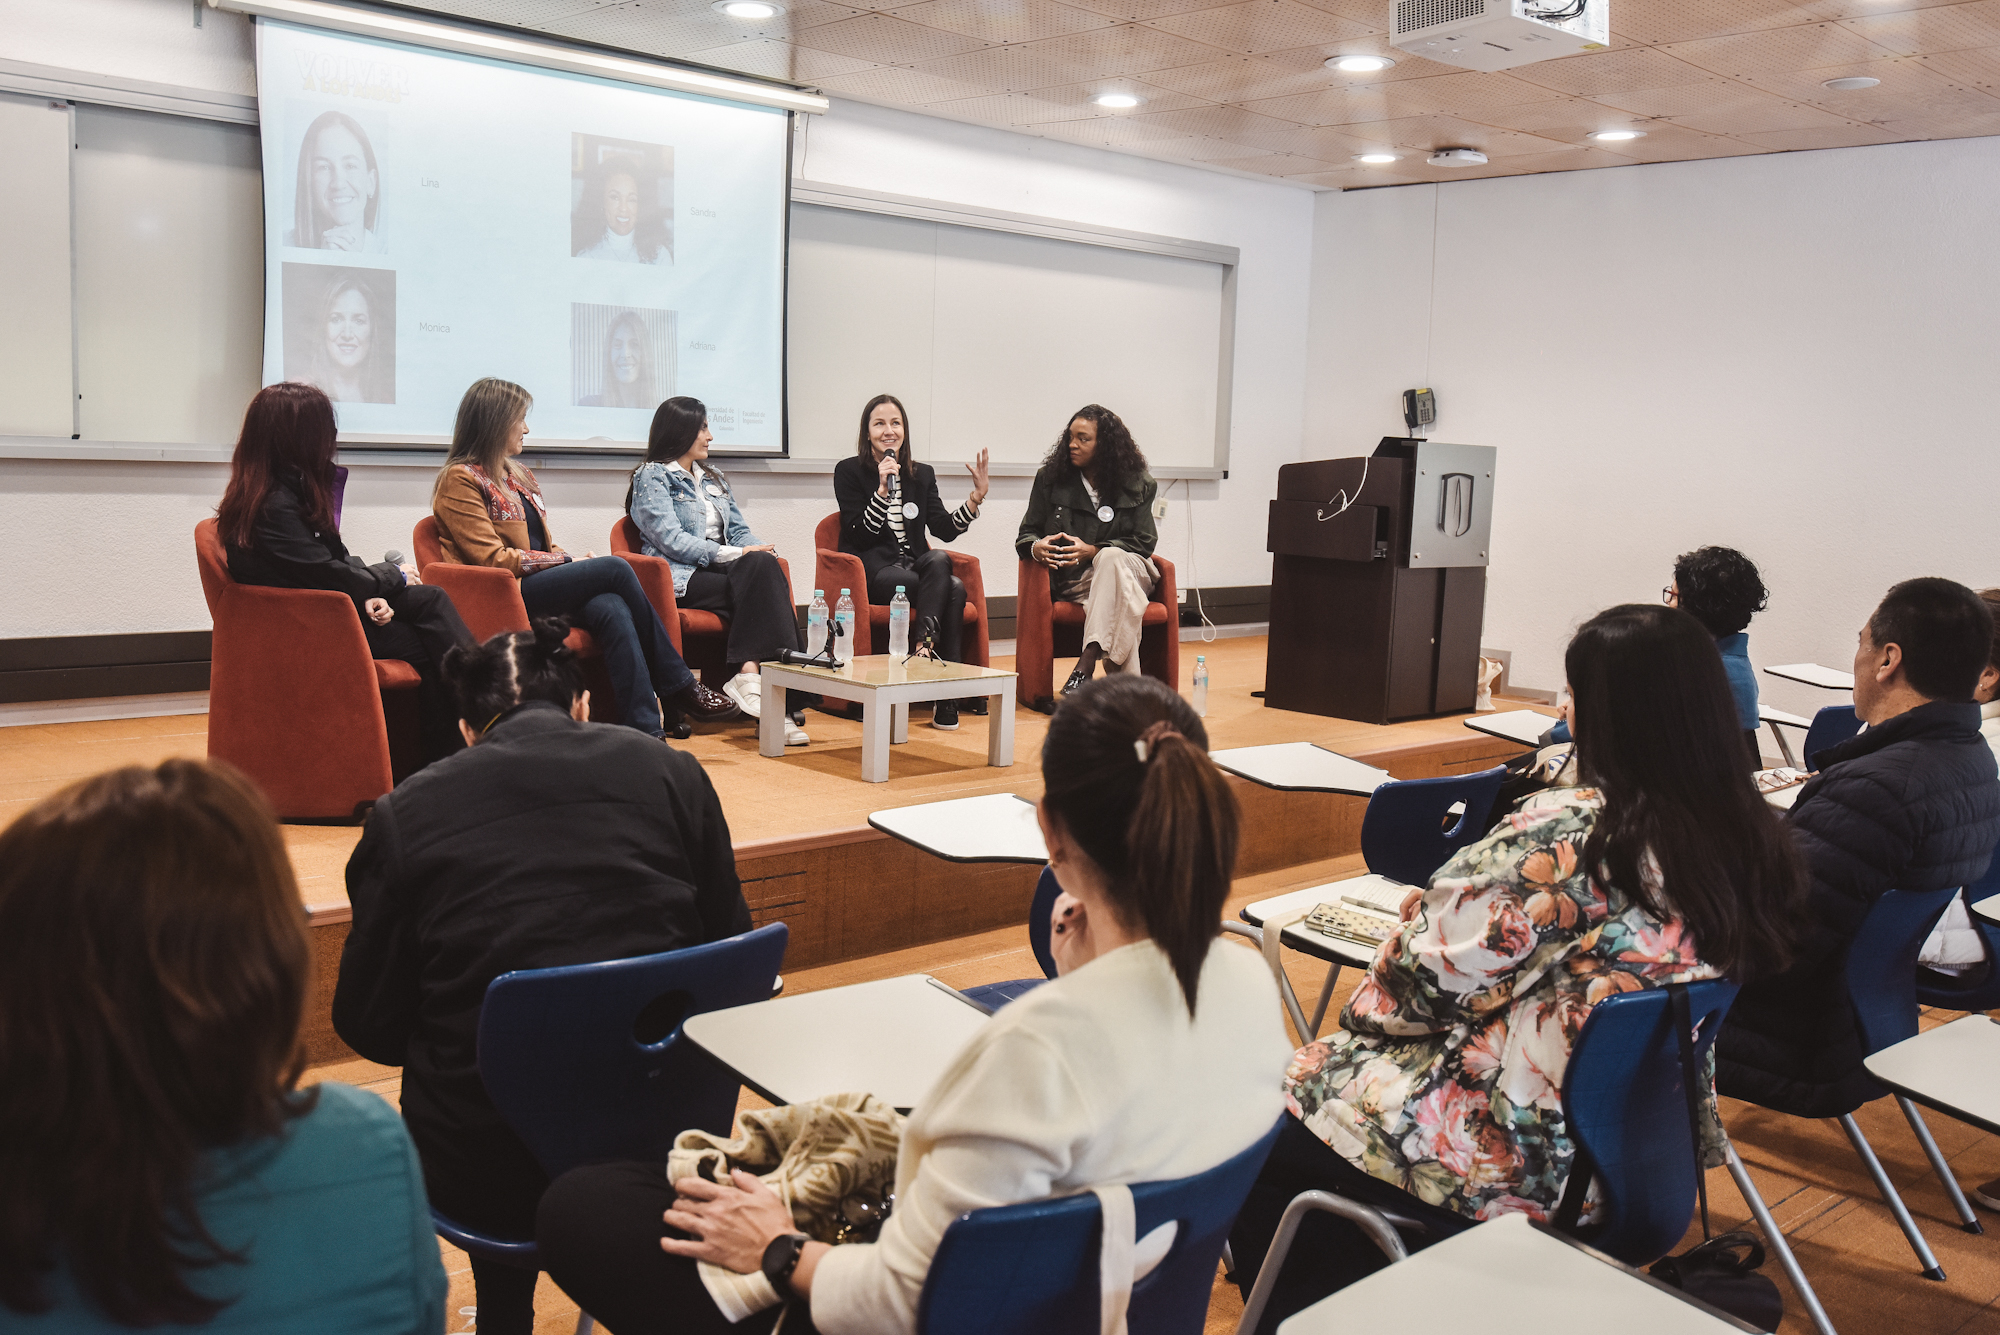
{"type": "Point", "coordinates": [804, 849]}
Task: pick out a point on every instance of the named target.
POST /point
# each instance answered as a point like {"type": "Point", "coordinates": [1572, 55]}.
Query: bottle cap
{"type": "Point", "coordinates": [899, 588]}
{"type": "Point", "coordinates": [819, 593]}
{"type": "Point", "coordinates": [843, 593]}
{"type": "Point", "coordinates": [1200, 659]}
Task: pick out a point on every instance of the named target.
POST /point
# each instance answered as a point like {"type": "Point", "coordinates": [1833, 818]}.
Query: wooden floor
{"type": "Point", "coordinates": [1843, 1234]}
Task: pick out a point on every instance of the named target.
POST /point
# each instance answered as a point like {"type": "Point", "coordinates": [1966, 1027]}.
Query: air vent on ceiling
{"type": "Point", "coordinates": [1414, 14]}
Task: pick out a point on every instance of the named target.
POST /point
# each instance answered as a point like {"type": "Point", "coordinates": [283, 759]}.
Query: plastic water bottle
{"type": "Point", "coordinates": [816, 623]}
{"type": "Point", "coordinates": [899, 624]}
{"type": "Point", "coordinates": [1201, 685]}
{"type": "Point", "coordinates": [843, 617]}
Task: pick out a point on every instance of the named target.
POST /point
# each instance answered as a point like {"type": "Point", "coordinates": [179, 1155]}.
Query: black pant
{"type": "Point", "coordinates": [754, 594]}
{"type": "Point", "coordinates": [1328, 1253]}
{"type": "Point", "coordinates": [486, 1180]}
{"type": "Point", "coordinates": [599, 1231]}
{"type": "Point", "coordinates": [425, 627]}
{"type": "Point", "coordinates": [603, 596]}
{"type": "Point", "coordinates": [934, 594]}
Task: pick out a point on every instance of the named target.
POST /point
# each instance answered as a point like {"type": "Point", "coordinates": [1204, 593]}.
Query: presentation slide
{"type": "Point", "coordinates": [432, 218]}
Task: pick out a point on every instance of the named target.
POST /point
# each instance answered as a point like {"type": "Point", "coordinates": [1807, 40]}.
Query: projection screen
{"type": "Point", "coordinates": [431, 218]}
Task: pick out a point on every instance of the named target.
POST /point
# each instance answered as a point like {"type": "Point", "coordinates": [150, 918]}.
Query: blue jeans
{"type": "Point", "coordinates": [603, 597]}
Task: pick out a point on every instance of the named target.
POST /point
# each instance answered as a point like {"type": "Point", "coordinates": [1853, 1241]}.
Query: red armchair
{"type": "Point", "coordinates": [488, 599]}
{"type": "Point", "coordinates": [701, 636]}
{"type": "Point", "coordinates": [1045, 631]}
{"type": "Point", "coordinates": [295, 699]}
{"type": "Point", "coordinates": [835, 570]}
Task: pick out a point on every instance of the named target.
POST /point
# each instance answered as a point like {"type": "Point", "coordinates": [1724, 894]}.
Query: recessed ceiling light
{"type": "Point", "coordinates": [1850, 85]}
{"type": "Point", "coordinates": [1616, 136]}
{"type": "Point", "coordinates": [1117, 101]}
{"type": "Point", "coordinates": [1359, 64]}
{"type": "Point", "coordinates": [1377, 157]}
{"type": "Point", "coordinates": [748, 9]}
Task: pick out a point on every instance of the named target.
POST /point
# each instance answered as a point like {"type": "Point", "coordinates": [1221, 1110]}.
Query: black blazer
{"type": "Point", "coordinates": [864, 513]}
{"type": "Point", "coordinates": [1910, 804]}
{"type": "Point", "coordinates": [289, 553]}
{"type": "Point", "coordinates": [551, 842]}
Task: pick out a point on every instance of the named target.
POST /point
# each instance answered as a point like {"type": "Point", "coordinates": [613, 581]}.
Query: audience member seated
{"type": "Point", "coordinates": [1090, 521]}
{"type": "Point", "coordinates": [489, 512]}
{"type": "Point", "coordinates": [1720, 588]}
{"type": "Point", "coordinates": [686, 514]}
{"type": "Point", "coordinates": [162, 1167]}
{"type": "Point", "coordinates": [550, 841]}
{"type": "Point", "coordinates": [1911, 803]}
{"type": "Point", "coordinates": [1151, 1056]}
{"type": "Point", "coordinates": [1439, 1096]}
{"type": "Point", "coordinates": [887, 502]}
{"type": "Point", "coordinates": [279, 529]}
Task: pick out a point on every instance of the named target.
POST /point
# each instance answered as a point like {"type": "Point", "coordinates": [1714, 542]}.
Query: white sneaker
{"type": "Point", "coordinates": [795, 735]}
{"type": "Point", "coordinates": [747, 690]}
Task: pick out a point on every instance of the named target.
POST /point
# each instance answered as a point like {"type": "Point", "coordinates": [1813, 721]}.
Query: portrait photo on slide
{"type": "Point", "coordinates": [621, 200]}
{"type": "Point", "coordinates": [621, 357]}
{"type": "Point", "coordinates": [338, 199]}
{"type": "Point", "coordinates": [340, 331]}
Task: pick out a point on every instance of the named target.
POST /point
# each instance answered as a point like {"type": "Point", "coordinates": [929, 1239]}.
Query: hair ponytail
{"type": "Point", "coordinates": [1125, 767]}
{"type": "Point", "coordinates": [511, 669]}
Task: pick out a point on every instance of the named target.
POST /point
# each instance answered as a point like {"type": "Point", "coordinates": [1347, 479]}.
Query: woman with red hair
{"type": "Point", "coordinates": [280, 527]}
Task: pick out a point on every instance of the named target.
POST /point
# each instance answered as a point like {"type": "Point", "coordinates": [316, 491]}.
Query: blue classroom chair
{"type": "Point", "coordinates": [588, 1062]}
{"type": "Point", "coordinates": [1032, 1269]}
{"type": "Point", "coordinates": [1831, 726]}
{"type": "Point", "coordinates": [995, 995]}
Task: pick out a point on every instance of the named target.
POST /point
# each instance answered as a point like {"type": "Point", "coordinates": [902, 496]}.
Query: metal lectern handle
{"type": "Point", "coordinates": [1455, 504]}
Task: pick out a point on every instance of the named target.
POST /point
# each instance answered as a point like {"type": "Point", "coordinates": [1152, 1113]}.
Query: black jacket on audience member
{"type": "Point", "coordinates": [291, 554]}
{"type": "Point", "coordinates": [1910, 804]}
{"type": "Point", "coordinates": [551, 842]}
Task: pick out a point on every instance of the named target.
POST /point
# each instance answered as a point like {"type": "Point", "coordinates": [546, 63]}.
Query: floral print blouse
{"type": "Point", "coordinates": [1445, 1077]}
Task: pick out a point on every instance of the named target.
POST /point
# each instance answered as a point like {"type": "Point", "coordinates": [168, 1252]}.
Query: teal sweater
{"type": "Point", "coordinates": [333, 1217]}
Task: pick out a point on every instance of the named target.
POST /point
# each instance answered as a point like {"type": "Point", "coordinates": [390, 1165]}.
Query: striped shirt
{"type": "Point", "coordinates": [888, 511]}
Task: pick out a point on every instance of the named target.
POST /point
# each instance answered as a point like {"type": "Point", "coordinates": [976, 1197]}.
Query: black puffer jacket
{"type": "Point", "coordinates": [1910, 804]}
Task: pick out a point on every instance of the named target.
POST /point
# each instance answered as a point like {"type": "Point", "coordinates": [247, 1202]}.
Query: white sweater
{"type": "Point", "coordinates": [1096, 1078]}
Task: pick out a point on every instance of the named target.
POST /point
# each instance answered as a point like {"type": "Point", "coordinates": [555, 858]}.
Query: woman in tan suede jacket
{"type": "Point", "coordinates": [489, 512]}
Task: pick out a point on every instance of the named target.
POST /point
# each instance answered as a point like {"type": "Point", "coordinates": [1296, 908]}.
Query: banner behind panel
{"type": "Point", "coordinates": [432, 218]}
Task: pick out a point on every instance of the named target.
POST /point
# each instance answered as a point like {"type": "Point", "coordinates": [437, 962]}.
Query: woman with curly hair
{"type": "Point", "coordinates": [1090, 521]}
{"type": "Point", "coordinates": [1720, 588]}
{"type": "Point", "coordinates": [1439, 1097]}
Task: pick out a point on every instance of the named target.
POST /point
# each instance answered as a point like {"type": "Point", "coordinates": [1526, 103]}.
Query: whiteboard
{"type": "Point", "coordinates": [994, 338]}
{"type": "Point", "coordinates": [34, 268]}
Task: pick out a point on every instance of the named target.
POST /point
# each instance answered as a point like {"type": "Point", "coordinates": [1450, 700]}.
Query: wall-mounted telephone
{"type": "Point", "coordinates": [1419, 408]}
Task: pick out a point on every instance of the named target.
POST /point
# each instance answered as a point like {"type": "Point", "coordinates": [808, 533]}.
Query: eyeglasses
{"type": "Point", "coordinates": [1668, 596]}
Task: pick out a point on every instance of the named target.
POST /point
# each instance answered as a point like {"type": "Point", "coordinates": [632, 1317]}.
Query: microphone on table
{"type": "Point", "coordinates": [835, 629]}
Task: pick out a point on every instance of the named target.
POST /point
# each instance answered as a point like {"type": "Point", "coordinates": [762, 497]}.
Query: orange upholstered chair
{"type": "Point", "coordinates": [702, 637]}
{"type": "Point", "coordinates": [1045, 631]}
{"type": "Point", "coordinates": [835, 570]}
{"type": "Point", "coordinates": [489, 601]}
{"type": "Point", "coordinates": [295, 700]}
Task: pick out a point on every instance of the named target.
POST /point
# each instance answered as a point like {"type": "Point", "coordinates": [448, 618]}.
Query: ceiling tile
{"type": "Point", "coordinates": [1126, 49]}
{"type": "Point", "coordinates": [1571, 119]}
{"type": "Point", "coordinates": [1334, 106]}
{"type": "Point", "coordinates": [1909, 90]}
{"type": "Point", "coordinates": [778, 60]}
{"type": "Point", "coordinates": [1002, 20]}
{"type": "Point", "coordinates": [1685, 20]}
{"type": "Point", "coordinates": [1113, 132]}
{"type": "Point", "coordinates": [1609, 71]}
{"type": "Point", "coordinates": [1466, 93]}
{"type": "Point", "coordinates": [1724, 107]}
{"type": "Point", "coordinates": [1143, 11]}
{"type": "Point", "coordinates": [1309, 141]}
{"type": "Point", "coordinates": [1215, 122]}
{"type": "Point", "coordinates": [1431, 133]}
{"type": "Point", "coordinates": [1257, 27]}
{"type": "Point", "coordinates": [1846, 137]}
{"type": "Point", "coordinates": [1666, 142]}
{"type": "Point", "coordinates": [899, 87]}
{"type": "Point", "coordinates": [886, 40]}
{"type": "Point", "coordinates": [1850, 9]}
{"type": "Point", "coordinates": [1787, 49]}
{"type": "Point", "coordinates": [1242, 78]}
{"type": "Point", "coordinates": [1968, 69]}
{"type": "Point", "coordinates": [1949, 28]}
{"type": "Point", "coordinates": [1067, 103]}
{"type": "Point", "coordinates": [1011, 69]}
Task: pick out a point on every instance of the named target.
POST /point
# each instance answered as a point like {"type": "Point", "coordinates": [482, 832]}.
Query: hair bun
{"type": "Point", "coordinates": [551, 637]}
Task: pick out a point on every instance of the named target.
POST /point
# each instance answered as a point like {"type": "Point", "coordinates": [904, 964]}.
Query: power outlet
{"type": "Point", "coordinates": [1160, 508]}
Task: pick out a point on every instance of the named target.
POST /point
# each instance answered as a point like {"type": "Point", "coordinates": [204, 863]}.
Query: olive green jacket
{"type": "Point", "coordinates": [1064, 507]}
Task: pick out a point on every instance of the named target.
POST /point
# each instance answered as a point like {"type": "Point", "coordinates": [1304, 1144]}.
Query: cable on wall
{"type": "Point", "coordinates": [1208, 631]}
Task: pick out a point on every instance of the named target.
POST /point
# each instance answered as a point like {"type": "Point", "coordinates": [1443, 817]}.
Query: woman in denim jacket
{"type": "Point", "coordinates": [686, 513]}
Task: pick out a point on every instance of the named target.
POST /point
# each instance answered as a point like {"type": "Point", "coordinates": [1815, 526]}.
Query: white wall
{"type": "Point", "coordinates": [89, 513]}
{"type": "Point", "coordinates": [1791, 354]}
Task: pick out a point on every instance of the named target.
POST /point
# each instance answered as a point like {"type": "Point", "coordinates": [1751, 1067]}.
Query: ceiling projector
{"type": "Point", "coordinates": [1499, 34]}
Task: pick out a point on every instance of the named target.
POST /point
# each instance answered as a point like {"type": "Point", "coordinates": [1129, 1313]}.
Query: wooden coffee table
{"type": "Point", "coordinates": [885, 687]}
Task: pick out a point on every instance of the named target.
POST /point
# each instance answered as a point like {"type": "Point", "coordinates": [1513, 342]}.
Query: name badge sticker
{"type": "Point", "coordinates": [910, 510]}
{"type": "Point", "coordinates": [714, 490]}
{"type": "Point", "coordinates": [1103, 514]}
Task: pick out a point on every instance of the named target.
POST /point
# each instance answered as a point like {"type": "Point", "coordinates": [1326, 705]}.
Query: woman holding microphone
{"type": "Point", "coordinates": [886, 504]}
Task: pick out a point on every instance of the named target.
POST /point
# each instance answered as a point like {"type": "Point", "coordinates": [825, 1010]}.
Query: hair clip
{"type": "Point", "coordinates": [1142, 749]}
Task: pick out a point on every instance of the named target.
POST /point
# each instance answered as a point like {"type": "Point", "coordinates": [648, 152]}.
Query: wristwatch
{"type": "Point", "coordinates": [781, 1258]}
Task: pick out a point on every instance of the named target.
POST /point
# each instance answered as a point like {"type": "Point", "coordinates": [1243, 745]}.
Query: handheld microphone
{"type": "Point", "coordinates": [393, 557]}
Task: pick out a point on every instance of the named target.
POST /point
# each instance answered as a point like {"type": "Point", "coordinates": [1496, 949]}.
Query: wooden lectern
{"type": "Point", "coordinates": [1378, 581]}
